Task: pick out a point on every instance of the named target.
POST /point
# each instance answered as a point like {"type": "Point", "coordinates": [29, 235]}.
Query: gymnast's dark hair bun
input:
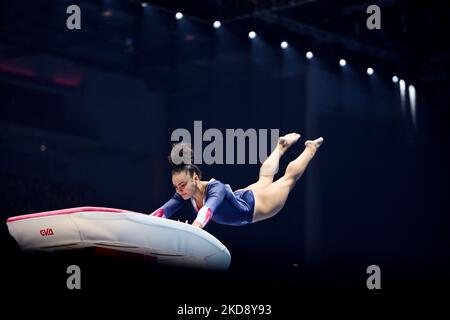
{"type": "Point", "coordinates": [182, 159]}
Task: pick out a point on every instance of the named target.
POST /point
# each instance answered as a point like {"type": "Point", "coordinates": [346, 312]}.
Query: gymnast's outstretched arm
{"type": "Point", "coordinates": [170, 207]}
{"type": "Point", "coordinates": [215, 194]}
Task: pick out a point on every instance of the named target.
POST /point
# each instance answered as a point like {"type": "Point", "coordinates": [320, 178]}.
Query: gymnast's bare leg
{"type": "Point", "coordinates": [270, 197]}
{"type": "Point", "coordinates": [270, 166]}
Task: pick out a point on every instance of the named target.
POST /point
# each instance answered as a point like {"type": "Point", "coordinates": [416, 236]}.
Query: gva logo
{"type": "Point", "coordinates": [46, 232]}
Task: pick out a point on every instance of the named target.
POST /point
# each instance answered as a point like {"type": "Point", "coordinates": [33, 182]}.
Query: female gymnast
{"type": "Point", "coordinates": [213, 200]}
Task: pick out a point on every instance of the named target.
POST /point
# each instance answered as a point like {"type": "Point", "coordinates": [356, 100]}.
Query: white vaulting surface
{"type": "Point", "coordinates": [170, 242]}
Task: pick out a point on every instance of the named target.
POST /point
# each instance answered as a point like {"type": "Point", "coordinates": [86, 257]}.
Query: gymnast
{"type": "Point", "coordinates": [213, 200]}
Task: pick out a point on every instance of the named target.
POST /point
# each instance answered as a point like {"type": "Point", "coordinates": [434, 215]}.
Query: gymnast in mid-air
{"type": "Point", "coordinates": [214, 200]}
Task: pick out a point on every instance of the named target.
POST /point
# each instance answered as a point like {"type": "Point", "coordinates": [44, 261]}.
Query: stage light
{"type": "Point", "coordinates": [369, 71]}
{"type": "Point", "coordinates": [252, 35]}
{"type": "Point", "coordinates": [309, 55]}
{"type": "Point", "coordinates": [217, 24]}
{"type": "Point", "coordinates": [412, 103]}
{"type": "Point", "coordinates": [178, 16]}
{"type": "Point", "coordinates": [284, 45]}
{"type": "Point", "coordinates": [394, 79]}
{"type": "Point", "coordinates": [144, 4]}
{"type": "Point", "coordinates": [412, 92]}
{"type": "Point", "coordinates": [342, 62]}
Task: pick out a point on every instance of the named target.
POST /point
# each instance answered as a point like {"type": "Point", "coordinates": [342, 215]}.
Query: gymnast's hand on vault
{"type": "Point", "coordinates": [197, 224]}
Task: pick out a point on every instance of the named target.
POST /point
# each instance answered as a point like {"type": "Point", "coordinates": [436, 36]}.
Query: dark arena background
{"type": "Point", "coordinates": [86, 117]}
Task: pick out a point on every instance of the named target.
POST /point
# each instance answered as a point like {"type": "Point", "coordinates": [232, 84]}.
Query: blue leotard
{"type": "Point", "coordinates": [221, 205]}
